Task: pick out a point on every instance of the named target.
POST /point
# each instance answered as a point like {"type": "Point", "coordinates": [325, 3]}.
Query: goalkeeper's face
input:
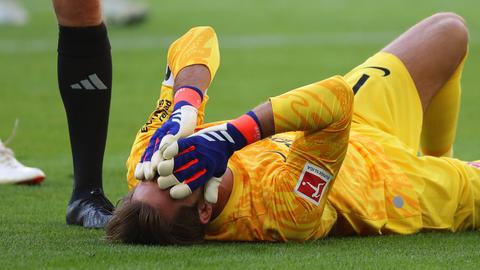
{"type": "Point", "coordinates": [150, 216]}
{"type": "Point", "coordinates": [151, 194]}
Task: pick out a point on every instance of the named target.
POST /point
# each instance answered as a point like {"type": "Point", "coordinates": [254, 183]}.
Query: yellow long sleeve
{"type": "Point", "coordinates": [327, 103]}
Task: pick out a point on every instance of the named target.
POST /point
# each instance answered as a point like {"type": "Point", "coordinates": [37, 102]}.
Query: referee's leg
{"type": "Point", "coordinates": [85, 82]}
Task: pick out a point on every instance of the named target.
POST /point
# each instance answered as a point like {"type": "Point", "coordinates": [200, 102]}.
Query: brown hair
{"type": "Point", "coordinates": [135, 222]}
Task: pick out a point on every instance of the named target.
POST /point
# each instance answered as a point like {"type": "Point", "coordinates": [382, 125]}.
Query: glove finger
{"type": "Point", "coordinates": [139, 169]}
{"type": "Point", "coordinates": [166, 141]}
{"type": "Point", "coordinates": [165, 182]}
{"type": "Point", "coordinates": [199, 179]}
{"type": "Point", "coordinates": [171, 151]}
{"type": "Point", "coordinates": [149, 171]}
{"type": "Point", "coordinates": [180, 191]}
{"type": "Point", "coordinates": [190, 172]}
{"type": "Point", "coordinates": [156, 159]}
{"type": "Point", "coordinates": [188, 122]}
{"type": "Point", "coordinates": [211, 189]}
{"type": "Point", "coordinates": [179, 147]}
{"type": "Point", "coordinates": [167, 167]}
{"type": "Point", "coordinates": [139, 172]}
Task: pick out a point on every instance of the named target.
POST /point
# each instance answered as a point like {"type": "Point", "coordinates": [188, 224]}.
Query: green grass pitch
{"type": "Point", "coordinates": [267, 46]}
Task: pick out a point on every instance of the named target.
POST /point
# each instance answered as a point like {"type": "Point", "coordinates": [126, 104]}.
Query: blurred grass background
{"type": "Point", "coordinates": [267, 47]}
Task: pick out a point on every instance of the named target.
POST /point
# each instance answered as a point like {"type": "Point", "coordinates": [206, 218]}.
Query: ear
{"type": "Point", "coordinates": [204, 211]}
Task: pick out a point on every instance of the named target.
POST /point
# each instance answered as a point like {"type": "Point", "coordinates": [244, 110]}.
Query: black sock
{"type": "Point", "coordinates": [85, 82]}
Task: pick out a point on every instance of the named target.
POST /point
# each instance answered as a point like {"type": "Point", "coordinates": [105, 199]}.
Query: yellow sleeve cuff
{"type": "Point", "coordinates": [199, 46]}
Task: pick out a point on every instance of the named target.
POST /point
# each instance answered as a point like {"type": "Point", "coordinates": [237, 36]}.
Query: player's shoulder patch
{"type": "Point", "coordinates": [313, 183]}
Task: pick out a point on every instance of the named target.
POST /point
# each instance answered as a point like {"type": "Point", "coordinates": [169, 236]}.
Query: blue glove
{"type": "Point", "coordinates": [181, 123]}
{"type": "Point", "coordinates": [191, 162]}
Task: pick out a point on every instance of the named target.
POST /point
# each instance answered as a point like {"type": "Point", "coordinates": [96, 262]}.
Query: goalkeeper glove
{"type": "Point", "coordinates": [201, 159]}
{"type": "Point", "coordinates": [181, 123]}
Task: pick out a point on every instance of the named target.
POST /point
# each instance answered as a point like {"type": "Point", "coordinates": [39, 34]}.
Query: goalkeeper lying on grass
{"type": "Point", "coordinates": [336, 157]}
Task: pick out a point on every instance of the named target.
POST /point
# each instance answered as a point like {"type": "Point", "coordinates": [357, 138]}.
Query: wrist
{"type": "Point", "coordinates": [248, 127]}
{"type": "Point", "coordinates": [187, 95]}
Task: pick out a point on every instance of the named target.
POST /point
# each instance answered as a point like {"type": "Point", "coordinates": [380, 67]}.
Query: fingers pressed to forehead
{"type": "Point", "coordinates": [178, 163]}
{"type": "Point", "coordinates": [190, 172]}
{"type": "Point", "coordinates": [179, 148]}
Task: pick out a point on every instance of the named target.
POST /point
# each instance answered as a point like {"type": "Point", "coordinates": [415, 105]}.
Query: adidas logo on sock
{"type": "Point", "coordinates": [91, 83]}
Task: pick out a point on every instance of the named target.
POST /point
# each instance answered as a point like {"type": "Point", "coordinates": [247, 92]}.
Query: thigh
{"type": "Point", "coordinates": [431, 50]}
{"type": "Point", "coordinates": [386, 98]}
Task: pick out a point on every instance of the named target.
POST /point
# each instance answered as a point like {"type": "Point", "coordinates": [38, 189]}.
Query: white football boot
{"type": "Point", "coordinates": [14, 172]}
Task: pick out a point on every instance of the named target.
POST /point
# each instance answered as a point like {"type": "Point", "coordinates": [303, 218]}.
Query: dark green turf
{"type": "Point", "coordinates": [315, 39]}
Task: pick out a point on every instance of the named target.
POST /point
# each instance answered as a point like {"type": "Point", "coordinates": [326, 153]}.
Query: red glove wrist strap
{"type": "Point", "coordinates": [248, 127]}
{"type": "Point", "coordinates": [189, 94]}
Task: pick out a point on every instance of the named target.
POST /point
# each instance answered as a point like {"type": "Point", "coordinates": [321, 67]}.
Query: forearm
{"type": "Point", "coordinates": [325, 104]}
{"type": "Point", "coordinates": [313, 107]}
{"type": "Point", "coordinates": [192, 62]}
{"type": "Point", "coordinates": [264, 114]}
{"type": "Point", "coordinates": [196, 75]}
{"type": "Point", "coordinates": [188, 96]}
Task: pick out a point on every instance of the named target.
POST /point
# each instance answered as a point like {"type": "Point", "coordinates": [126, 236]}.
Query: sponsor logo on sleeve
{"type": "Point", "coordinates": [160, 114]}
{"type": "Point", "coordinates": [313, 183]}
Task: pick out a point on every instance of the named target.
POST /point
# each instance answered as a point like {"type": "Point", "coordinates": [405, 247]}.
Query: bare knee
{"type": "Point", "coordinates": [443, 15]}
{"type": "Point", "coordinates": [452, 32]}
{"type": "Point", "coordinates": [432, 50]}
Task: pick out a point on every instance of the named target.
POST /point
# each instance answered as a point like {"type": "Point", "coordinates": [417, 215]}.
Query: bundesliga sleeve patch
{"type": "Point", "coordinates": [313, 183]}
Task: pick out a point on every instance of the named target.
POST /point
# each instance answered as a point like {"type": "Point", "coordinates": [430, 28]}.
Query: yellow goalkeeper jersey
{"type": "Point", "coordinates": [363, 179]}
{"type": "Point", "coordinates": [383, 187]}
